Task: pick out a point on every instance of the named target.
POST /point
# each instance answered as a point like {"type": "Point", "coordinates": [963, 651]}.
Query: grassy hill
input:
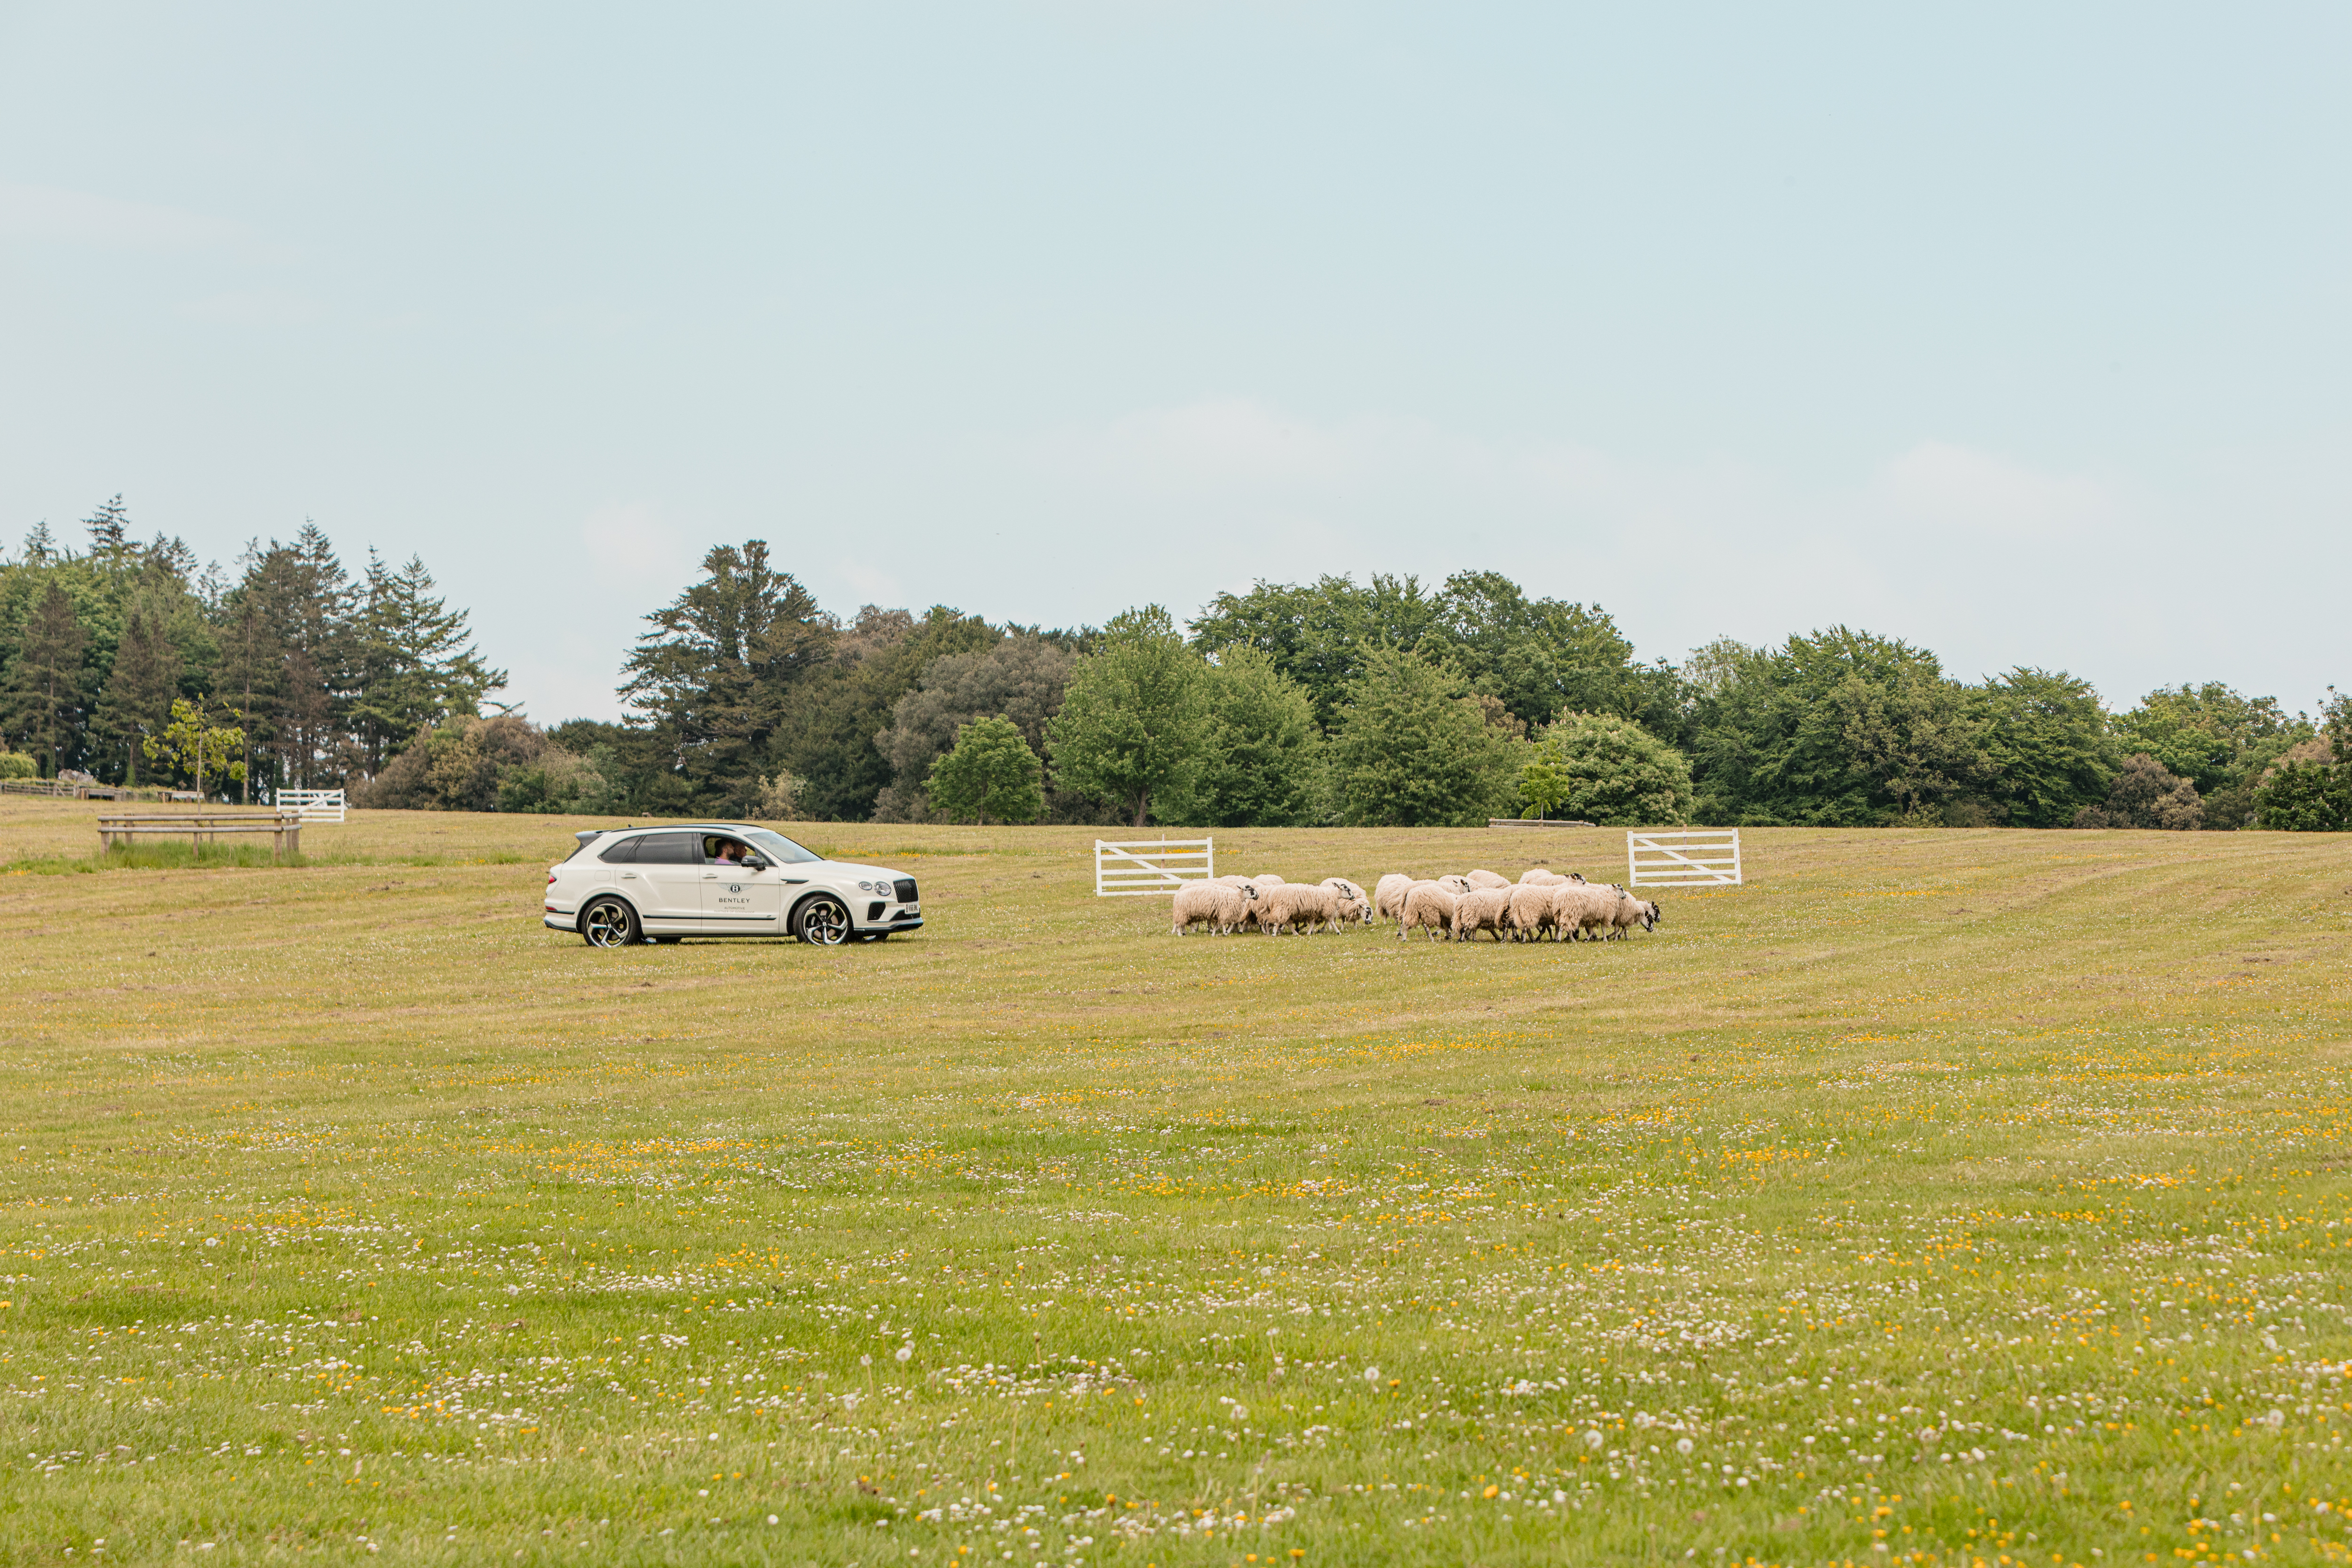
{"type": "Point", "coordinates": [1949, 1198]}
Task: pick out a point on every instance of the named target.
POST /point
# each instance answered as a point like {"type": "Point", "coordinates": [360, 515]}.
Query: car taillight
{"type": "Point", "coordinates": [551, 878]}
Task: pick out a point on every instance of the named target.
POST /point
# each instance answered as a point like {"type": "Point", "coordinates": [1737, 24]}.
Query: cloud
{"type": "Point", "coordinates": [77, 217]}
{"type": "Point", "coordinates": [1977, 492]}
{"type": "Point", "coordinates": [631, 545]}
{"type": "Point", "coordinates": [255, 308]}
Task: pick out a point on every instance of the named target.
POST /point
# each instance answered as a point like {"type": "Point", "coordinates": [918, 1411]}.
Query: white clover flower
{"type": "Point", "coordinates": [1682, 1445]}
{"type": "Point", "coordinates": [865, 1361]}
{"type": "Point", "coordinates": [1593, 1439]}
{"type": "Point", "coordinates": [1372, 1374]}
{"type": "Point", "coordinates": [905, 1352]}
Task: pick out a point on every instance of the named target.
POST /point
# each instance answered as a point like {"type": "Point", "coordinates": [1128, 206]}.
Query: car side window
{"type": "Point", "coordinates": [621, 854]}
{"type": "Point", "coordinates": [669, 850]}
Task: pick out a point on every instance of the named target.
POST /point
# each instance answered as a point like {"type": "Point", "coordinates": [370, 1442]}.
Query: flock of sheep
{"type": "Point", "coordinates": [1541, 904]}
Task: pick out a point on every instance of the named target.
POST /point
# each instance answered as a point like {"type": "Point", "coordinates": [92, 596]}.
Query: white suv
{"type": "Point", "coordinates": [721, 879]}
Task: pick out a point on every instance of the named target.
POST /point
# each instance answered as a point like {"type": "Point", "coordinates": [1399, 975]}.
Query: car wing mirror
{"type": "Point", "coordinates": [755, 862]}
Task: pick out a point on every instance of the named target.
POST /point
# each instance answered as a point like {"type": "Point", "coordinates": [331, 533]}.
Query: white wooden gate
{"type": "Point", "coordinates": [315, 804]}
{"type": "Point", "coordinates": [1705, 857]}
{"type": "Point", "coordinates": [1155, 866]}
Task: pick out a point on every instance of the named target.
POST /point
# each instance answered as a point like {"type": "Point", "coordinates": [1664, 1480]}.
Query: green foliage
{"type": "Point", "coordinates": [1133, 717]}
{"type": "Point", "coordinates": [1414, 748]}
{"type": "Point", "coordinates": [989, 773]}
{"type": "Point", "coordinates": [1838, 729]}
{"type": "Point", "coordinates": [191, 746]}
{"type": "Point", "coordinates": [1611, 771]}
{"type": "Point", "coordinates": [1536, 655]}
{"type": "Point", "coordinates": [1019, 679]}
{"type": "Point", "coordinates": [45, 684]}
{"type": "Point", "coordinates": [140, 691]}
{"type": "Point", "coordinates": [2044, 750]}
{"type": "Point", "coordinates": [2306, 797]}
{"type": "Point", "coordinates": [710, 679]}
{"type": "Point", "coordinates": [18, 765]}
{"type": "Point", "coordinates": [416, 666]}
{"type": "Point", "coordinates": [2145, 795]}
{"type": "Point", "coordinates": [1262, 761]}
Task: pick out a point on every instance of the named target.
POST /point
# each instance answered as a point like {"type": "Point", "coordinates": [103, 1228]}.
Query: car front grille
{"type": "Point", "coordinates": [905, 888]}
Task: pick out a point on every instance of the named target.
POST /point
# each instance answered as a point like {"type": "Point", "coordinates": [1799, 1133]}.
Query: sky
{"type": "Point", "coordinates": [2017, 331]}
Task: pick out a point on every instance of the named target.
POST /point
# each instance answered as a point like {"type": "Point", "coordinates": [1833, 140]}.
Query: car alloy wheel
{"type": "Point", "coordinates": [608, 924]}
{"type": "Point", "coordinates": [822, 922]}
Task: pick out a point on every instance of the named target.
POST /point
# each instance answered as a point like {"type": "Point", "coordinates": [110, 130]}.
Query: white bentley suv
{"type": "Point", "coordinates": [721, 879]}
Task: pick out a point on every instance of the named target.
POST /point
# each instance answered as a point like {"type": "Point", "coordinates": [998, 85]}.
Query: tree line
{"type": "Point", "coordinates": [1390, 703]}
{"type": "Point", "coordinates": [116, 656]}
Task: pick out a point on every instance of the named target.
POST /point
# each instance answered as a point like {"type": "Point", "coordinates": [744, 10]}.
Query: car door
{"type": "Point", "coordinates": [739, 900]}
{"type": "Point", "coordinates": [669, 867]}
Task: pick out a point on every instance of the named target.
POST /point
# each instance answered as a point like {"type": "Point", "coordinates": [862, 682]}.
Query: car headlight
{"type": "Point", "coordinates": [865, 887]}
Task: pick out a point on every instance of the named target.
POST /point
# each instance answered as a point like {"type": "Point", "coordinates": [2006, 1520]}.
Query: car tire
{"type": "Point", "coordinates": [609, 922]}
{"type": "Point", "coordinates": [822, 922]}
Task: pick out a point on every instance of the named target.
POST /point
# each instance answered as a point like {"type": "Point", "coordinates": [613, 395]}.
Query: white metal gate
{"type": "Point", "coordinates": [1704, 858]}
{"type": "Point", "coordinates": [1152, 866]}
{"type": "Point", "coordinates": [315, 804]}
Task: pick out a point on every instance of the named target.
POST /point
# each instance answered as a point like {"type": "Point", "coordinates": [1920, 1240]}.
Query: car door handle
{"type": "Point", "coordinates": [628, 876]}
{"type": "Point", "coordinates": [710, 876]}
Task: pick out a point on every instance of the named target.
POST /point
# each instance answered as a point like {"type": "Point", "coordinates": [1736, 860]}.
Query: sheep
{"type": "Point", "coordinates": [1388, 897]}
{"type": "Point", "coordinates": [1534, 911]}
{"type": "Point", "coordinates": [1534, 876]}
{"type": "Point", "coordinates": [1480, 879]}
{"type": "Point", "coordinates": [1300, 904]}
{"type": "Point", "coordinates": [1218, 905]}
{"type": "Point", "coordinates": [1628, 913]}
{"type": "Point", "coordinates": [1354, 904]}
{"type": "Point", "coordinates": [1581, 906]}
{"type": "Point", "coordinates": [1457, 885]}
{"type": "Point", "coordinates": [1485, 908]}
{"type": "Point", "coordinates": [1427, 904]}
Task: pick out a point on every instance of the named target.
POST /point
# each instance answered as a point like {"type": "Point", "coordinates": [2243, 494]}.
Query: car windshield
{"type": "Point", "coordinates": [778, 849]}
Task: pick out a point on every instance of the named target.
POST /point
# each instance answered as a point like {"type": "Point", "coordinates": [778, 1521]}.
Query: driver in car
{"type": "Point", "coordinates": [730, 853]}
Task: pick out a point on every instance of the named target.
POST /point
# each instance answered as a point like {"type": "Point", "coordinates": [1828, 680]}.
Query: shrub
{"type": "Point", "coordinates": [2145, 795]}
{"type": "Point", "coordinates": [18, 765]}
{"type": "Point", "coordinates": [1611, 771]}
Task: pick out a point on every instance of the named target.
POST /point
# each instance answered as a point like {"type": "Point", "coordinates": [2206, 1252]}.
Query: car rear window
{"type": "Point", "coordinates": [669, 850]}
{"type": "Point", "coordinates": [620, 854]}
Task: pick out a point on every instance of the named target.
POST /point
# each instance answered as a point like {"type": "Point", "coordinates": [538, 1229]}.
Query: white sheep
{"type": "Point", "coordinates": [1355, 905]}
{"type": "Point", "coordinates": [1581, 906]}
{"type": "Point", "coordinates": [1457, 885]}
{"type": "Point", "coordinates": [1299, 904]}
{"type": "Point", "coordinates": [1482, 908]}
{"type": "Point", "coordinates": [1479, 879]}
{"type": "Point", "coordinates": [1427, 904]}
{"type": "Point", "coordinates": [1534, 911]}
{"type": "Point", "coordinates": [1628, 913]}
{"type": "Point", "coordinates": [1388, 896]}
{"type": "Point", "coordinates": [1535, 876]}
{"type": "Point", "coordinates": [1218, 905]}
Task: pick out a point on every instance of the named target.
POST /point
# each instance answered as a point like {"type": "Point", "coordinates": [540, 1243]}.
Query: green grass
{"type": "Point", "coordinates": [349, 1214]}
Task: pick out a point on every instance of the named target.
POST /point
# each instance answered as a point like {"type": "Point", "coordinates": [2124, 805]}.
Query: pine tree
{"type": "Point", "coordinates": [252, 672]}
{"type": "Point", "coordinates": [46, 682]}
{"type": "Point", "coordinates": [136, 702]}
{"type": "Point", "coordinates": [414, 664]}
{"type": "Point", "coordinates": [110, 531]}
{"type": "Point", "coordinates": [713, 678]}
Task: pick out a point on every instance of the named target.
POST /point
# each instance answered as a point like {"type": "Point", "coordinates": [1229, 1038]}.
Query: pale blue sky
{"type": "Point", "coordinates": [2020, 331]}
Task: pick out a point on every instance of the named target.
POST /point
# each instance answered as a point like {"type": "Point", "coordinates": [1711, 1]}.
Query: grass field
{"type": "Point", "coordinates": [1951, 1197]}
